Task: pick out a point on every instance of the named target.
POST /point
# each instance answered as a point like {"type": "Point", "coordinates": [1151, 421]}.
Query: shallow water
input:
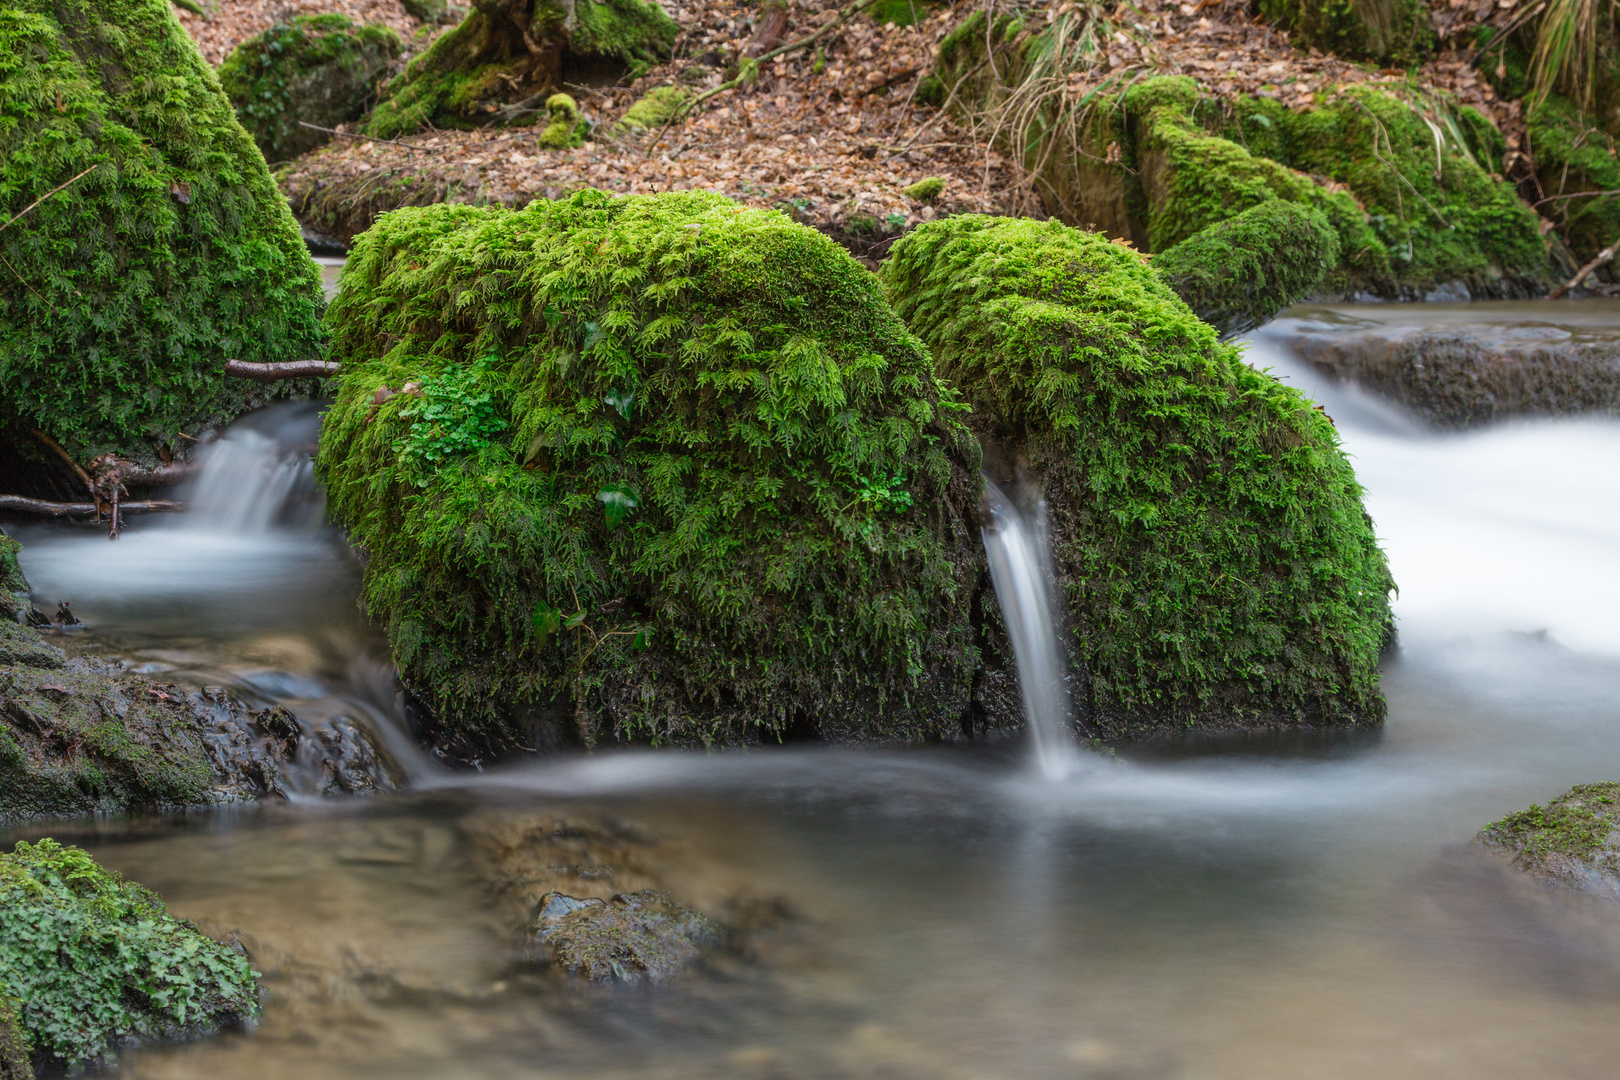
{"type": "Point", "coordinates": [1270, 907]}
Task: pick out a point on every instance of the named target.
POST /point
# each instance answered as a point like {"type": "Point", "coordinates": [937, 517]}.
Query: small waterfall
{"type": "Point", "coordinates": [1020, 559]}
{"type": "Point", "coordinates": [258, 475]}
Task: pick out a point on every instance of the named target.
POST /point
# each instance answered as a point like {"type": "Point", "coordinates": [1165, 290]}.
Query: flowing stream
{"type": "Point", "coordinates": [1241, 909]}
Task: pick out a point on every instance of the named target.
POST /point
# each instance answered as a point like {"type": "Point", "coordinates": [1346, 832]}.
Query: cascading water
{"type": "Point", "coordinates": [258, 475]}
{"type": "Point", "coordinates": [1020, 560]}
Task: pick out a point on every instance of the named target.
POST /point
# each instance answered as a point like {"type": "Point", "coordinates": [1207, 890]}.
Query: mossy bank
{"type": "Point", "coordinates": [649, 468]}
{"type": "Point", "coordinates": [1208, 532]}
{"type": "Point", "coordinates": [92, 964]}
{"type": "Point", "coordinates": [1571, 843]}
{"type": "Point", "coordinates": [168, 251]}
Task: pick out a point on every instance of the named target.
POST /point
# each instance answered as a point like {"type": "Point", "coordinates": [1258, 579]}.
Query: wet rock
{"type": "Point", "coordinates": [98, 963]}
{"type": "Point", "coordinates": [1572, 843]}
{"type": "Point", "coordinates": [1467, 376]}
{"type": "Point", "coordinates": [633, 937]}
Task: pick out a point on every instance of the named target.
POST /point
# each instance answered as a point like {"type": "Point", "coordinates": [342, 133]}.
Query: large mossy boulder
{"type": "Point", "coordinates": [99, 964]}
{"type": "Point", "coordinates": [320, 69]}
{"type": "Point", "coordinates": [655, 468]}
{"type": "Point", "coordinates": [1207, 531]}
{"type": "Point", "coordinates": [509, 53]}
{"type": "Point", "coordinates": [1238, 273]}
{"type": "Point", "coordinates": [1571, 843]}
{"type": "Point", "coordinates": [129, 288]}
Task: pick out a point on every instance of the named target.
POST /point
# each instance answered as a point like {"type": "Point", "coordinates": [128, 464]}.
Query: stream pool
{"type": "Point", "coordinates": [1270, 907]}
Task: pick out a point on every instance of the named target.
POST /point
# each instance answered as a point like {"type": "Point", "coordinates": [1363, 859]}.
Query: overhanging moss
{"type": "Point", "coordinates": [1208, 531]}
{"type": "Point", "coordinates": [667, 469]}
{"type": "Point", "coordinates": [1575, 155]}
{"type": "Point", "coordinates": [514, 51]}
{"type": "Point", "coordinates": [98, 962]}
{"type": "Point", "coordinates": [321, 69]}
{"type": "Point", "coordinates": [1238, 273]}
{"type": "Point", "coordinates": [127, 291]}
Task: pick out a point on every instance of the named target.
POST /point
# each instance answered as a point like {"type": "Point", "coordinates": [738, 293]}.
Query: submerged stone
{"type": "Point", "coordinates": [168, 250]}
{"type": "Point", "coordinates": [99, 964]}
{"type": "Point", "coordinates": [1573, 842]}
{"type": "Point", "coordinates": [652, 468]}
{"type": "Point", "coordinates": [1218, 568]}
{"type": "Point", "coordinates": [320, 69]}
{"type": "Point", "coordinates": [633, 937]}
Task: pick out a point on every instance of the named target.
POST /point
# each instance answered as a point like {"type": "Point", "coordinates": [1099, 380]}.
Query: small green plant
{"type": "Point", "coordinates": [453, 414]}
{"type": "Point", "coordinates": [926, 190]}
{"type": "Point", "coordinates": [99, 961]}
{"type": "Point", "coordinates": [882, 494]}
{"type": "Point", "coordinates": [895, 221]}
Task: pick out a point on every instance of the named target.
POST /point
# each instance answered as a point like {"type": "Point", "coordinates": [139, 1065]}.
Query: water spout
{"type": "Point", "coordinates": [1021, 570]}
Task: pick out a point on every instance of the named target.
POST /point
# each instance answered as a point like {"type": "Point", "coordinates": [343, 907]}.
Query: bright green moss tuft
{"type": "Point", "coordinates": [565, 127]}
{"type": "Point", "coordinates": [1238, 273]}
{"type": "Point", "coordinates": [127, 291]}
{"type": "Point", "coordinates": [321, 69]}
{"type": "Point", "coordinates": [927, 189]}
{"type": "Point", "coordinates": [1208, 532]}
{"type": "Point", "coordinates": [98, 962]}
{"type": "Point", "coordinates": [678, 475]}
{"type": "Point", "coordinates": [1570, 842]}
{"type": "Point", "coordinates": [653, 109]}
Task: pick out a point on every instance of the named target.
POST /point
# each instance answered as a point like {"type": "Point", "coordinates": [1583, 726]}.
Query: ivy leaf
{"type": "Point", "coordinates": [593, 334]}
{"type": "Point", "coordinates": [546, 620]}
{"type": "Point", "coordinates": [640, 642]}
{"type": "Point", "coordinates": [617, 502]}
{"type": "Point", "coordinates": [621, 400]}
{"type": "Point", "coordinates": [573, 620]}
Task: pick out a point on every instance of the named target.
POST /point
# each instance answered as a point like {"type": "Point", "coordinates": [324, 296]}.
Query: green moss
{"type": "Point", "coordinates": [14, 591]}
{"type": "Point", "coordinates": [486, 61]}
{"type": "Point", "coordinates": [99, 962]}
{"type": "Point", "coordinates": [694, 427]}
{"type": "Point", "coordinates": [128, 290]}
{"type": "Point", "coordinates": [1208, 531]}
{"type": "Point", "coordinates": [321, 69]}
{"type": "Point", "coordinates": [1389, 32]}
{"type": "Point", "coordinates": [901, 12]}
{"type": "Point", "coordinates": [1574, 154]}
{"type": "Point", "coordinates": [1238, 273]}
{"type": "Point", "coordinates": [1569, 841]}
{"type": "Point", "coordinates": [16, 1045]}
{"type": "Point", "coordinates": [653, 109]}
{"type": "Point", "coordinates": [565, 128]}
{"type": "Point", "coordinates": [927, 189]}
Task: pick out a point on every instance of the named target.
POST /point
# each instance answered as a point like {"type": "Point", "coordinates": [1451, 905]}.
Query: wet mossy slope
{"type": "Point", "coordinates": [1208, 531]}
{"type": "Point", "coordinates": [128, 290]}
{"type": "Point", "coordinates": [651, 468]}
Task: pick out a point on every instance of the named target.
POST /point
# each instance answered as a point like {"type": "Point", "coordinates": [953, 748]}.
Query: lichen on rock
{"type": "Point", "coordinates": [1238, 273]}
{"type": "Point", "coordinates": [1208, 532]}
{"type": "Point", "coordinates": [652, 468]}
{"type": "Point", "coordinates": [99, 964]}
{"type": "Point", "coordinates": [632, 937]}
{"type": "Point", "coordinates": [321, 69]}
{"type": "Point", "coordinates": [1573, 842]}
{"type": "Point", "coordinates": [131, 286]}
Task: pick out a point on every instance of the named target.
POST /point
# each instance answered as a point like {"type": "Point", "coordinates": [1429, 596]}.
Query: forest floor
{"type": "Point", "coordinates": [830, 134]}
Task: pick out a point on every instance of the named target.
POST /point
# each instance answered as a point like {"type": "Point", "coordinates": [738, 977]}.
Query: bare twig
{"type": "Point", "coordinates": [368, 138]}
{"type": "Point", "coordinates": [47, 195]}
{"type": "Point", "coordinates": [1572, 195]}
{"type": "Point", "coordinates": [46, 508]}
{"type": "Point", "coordinates": [287, 369]}
{"type": "Point", "coordinates": [1605, 256]}
{"type": "Point", "coordinates": [89, 484]}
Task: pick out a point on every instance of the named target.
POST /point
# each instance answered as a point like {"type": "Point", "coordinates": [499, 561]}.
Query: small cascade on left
{"type": "Point", "coordinates": [259, 475]}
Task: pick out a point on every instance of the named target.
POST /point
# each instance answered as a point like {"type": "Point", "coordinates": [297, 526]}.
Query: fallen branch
{"type": "Point", "coordinates": [368, 138]}
{"type": "Point", "coordinates": [46, 508]}
{"type": "Point", "coordinates": [159, 476]}
{"type": "Point", "coordinates": [286, 369]}
{"type": "Point", "coordinates": [89, 484]}
{"type": "Point", "coordinates": [751, 66]}
{"type": "Point", "coordinates": [1605, 256]}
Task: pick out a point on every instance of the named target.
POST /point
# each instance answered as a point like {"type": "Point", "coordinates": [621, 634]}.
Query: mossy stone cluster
{"type": "Point", "coordinates": [1159, 161]}
{"type": "Point", "coordinates": [1392, 33]}
{"type": "Point", "coordinates": [656, 468]}
{"type": "Point", "coordinates": [506, 51]}
{"type": "Point", "coordinates": [321, 69]}
{"type": "Point", "coordinates": [1238, 273]}
{"type": "Point", "coordinates": [129, 289]}
{"type": "Point", "coordinates": [1573, 842]}
{"type": "Point", "coordinates": [1208, 532]}
{"type": "Point", "coordinates": [98, 963]}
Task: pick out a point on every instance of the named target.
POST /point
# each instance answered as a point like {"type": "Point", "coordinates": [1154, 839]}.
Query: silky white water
{"type": "Point", "coordinates": [1017, 547]}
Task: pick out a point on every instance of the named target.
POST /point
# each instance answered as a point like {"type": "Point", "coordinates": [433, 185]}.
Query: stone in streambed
{"type": "Point", "coordinates": [1572, 843]}
{"type": "Point", "coordinates": [633, 937]}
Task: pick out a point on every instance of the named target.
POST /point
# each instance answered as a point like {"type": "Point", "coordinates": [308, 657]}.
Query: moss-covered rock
{"type": "Point", "coordinates": [1577, 169]}
{"type": "Point", "coordinates": [130, 288]}
{"type": "Point", "coordinates": [14, 592]}
{"type": "Point", "coordinates": [322, 69]}
{"type": "Point", "coordinates": [633, 937]}
{"type": "Point", "coordinates": [1207, 530]}
{"type": "Point", "coordinates": [1238, 273]}
{"type": "Point", "coordinates": [653, 109]}
{"type": "Point", "coordinates": [507, 51]}
{"type": "Point", "coordinates": [656, 468]}
{"type": "Point", "coordinates": [1573, 842]}
{"type": "Point", "coordinates": [1394, 33]}
{"type": "Point", "coordinates": [16, 1046]}
{"type": "Point", "coordinates": [565, 128]}
{"type": "Point", "coordinates": [99, 963]}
